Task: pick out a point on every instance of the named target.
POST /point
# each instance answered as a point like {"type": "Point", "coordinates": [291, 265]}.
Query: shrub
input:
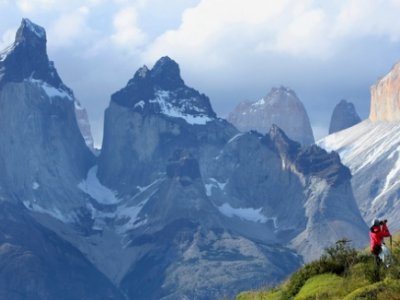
{"type": "Point", "coordinates": [337, 260]}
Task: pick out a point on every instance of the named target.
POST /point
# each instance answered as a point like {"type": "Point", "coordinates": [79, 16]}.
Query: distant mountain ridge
{"type": "Point", "coordinates": [281, 107]}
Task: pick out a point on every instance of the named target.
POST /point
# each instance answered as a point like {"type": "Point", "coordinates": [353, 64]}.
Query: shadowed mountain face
{"type": "Point", "coordinates": [35, 263]}
{"type": "Point", "coordinates": [42, 150]}
{"type": "Point", "coordinates": [179, 205]}
{"type": "Point", "coordinates": [344, 116]}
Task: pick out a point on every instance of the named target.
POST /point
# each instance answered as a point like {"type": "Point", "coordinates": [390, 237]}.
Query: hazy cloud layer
{"type": "Point", "coordinates": [230, 50]}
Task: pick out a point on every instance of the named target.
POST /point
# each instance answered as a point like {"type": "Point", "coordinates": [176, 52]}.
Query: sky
{"type": "Point", "coordinates": [230, 50]}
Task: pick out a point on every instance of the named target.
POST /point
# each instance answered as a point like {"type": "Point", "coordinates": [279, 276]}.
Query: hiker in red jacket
{"type": "Point", "coordinates": [378, 231]}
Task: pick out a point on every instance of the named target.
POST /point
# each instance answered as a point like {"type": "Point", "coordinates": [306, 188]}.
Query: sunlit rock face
{"type": "Point", "coordinates": [281, 107]}
{"type": "Point", "coordinates": [385, 97]}
{"type": "Point", "coordinates": [84, 125]}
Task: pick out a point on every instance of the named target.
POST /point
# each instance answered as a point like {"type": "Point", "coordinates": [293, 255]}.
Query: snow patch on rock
{"type": "Point", "coordinates": [54, 212]}
{"type": "Point", "coordinates": [92, 186]}
{"type": "Point", "coordinates": [167, 108]}
{"type": "Point", "coordinates": [214, 184]}
{"type": "Point", "coordinates": [248, 214]}
{"type": "Point", "coordinates": [51, 91]}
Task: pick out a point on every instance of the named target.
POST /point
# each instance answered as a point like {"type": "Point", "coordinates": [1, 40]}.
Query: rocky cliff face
{"type": "Point", "coordinates": [281, 107]}
{"type": "Point", "coordinates": [385, 97]}
{"type": "Point", "coordinates": [84, 126]}
{"type": "Point", "coordinates": [344, 115]}
{"type": "Point", "coordinates": [40, 138]}
{"type": "Point", "coordinates": [282, 175]}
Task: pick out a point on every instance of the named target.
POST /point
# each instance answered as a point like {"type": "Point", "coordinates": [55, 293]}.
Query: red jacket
{"type": "Point", "coordinates": [377, 234]}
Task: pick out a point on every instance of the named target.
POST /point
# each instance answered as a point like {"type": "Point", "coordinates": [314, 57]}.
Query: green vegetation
{"type": "Point", "coordinates": [341, 273]}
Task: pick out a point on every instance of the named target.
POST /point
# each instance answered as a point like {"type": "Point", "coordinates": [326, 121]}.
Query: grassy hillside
{"type": "Point", "coordinates": [341, 273]}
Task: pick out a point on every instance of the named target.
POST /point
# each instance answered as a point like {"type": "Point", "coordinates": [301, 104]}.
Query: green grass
{"type": "Point", "coordinates": [342, 273]}
{"type": "Point", "coordinates": [269, 295]}
{"type": "Point", "coordinates": [321, 287]}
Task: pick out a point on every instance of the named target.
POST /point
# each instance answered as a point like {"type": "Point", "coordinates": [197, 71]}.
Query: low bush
{"type": "Point", "coordinates": [336, 260]}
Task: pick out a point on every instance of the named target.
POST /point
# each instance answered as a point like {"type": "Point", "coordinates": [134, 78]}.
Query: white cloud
{"type": "Point", "coordinates": [359, 18]}
{"type": "Point", "coordinates": [69, 27]}
{"type": "Point", "coordinates": [306, 33]}
{"type": "Point", "coordinates": [34, 5]}
{"type": "Point", "coordinates": [216, 32]}
{"type": "Point", "coordinates": [127, 33]}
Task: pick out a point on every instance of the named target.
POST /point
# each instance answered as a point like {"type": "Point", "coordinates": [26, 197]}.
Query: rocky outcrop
{"type": "Point", "coordinates": [344, 115]}
{"type": "Point", "coordinates": [385, 97]}
{"type": "Point", "coordinates": [281, 107]}
{"type": "Point", "coordinates": [281, 174]}
{"type": "Point", "coordinates": [148, 120]}
{"type": "Point", "coordinates": [43, 154]}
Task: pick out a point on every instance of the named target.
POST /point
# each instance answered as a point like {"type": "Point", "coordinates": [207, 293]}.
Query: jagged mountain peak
{"type": "Point", "coordinates": [161, 90]}
{"type": "Point", "coordinates": [142, 73]}
{"type": "Point", "coordinates": [344, 116]}
{"type": "Point", "coordinates": [286, 147]}
{"type": "Point", "coordinates": [311, 160]}
{"type": "Point", "coordinates": [166, 74]}
{"type": "Point", "coordinates": [27, 59]}
{"type": "Point", "coordinates": [280, 106]}
{"type": "Point", "coordinates": [281, 90]}
{"type": "Point", "coordinates": [29, 31]}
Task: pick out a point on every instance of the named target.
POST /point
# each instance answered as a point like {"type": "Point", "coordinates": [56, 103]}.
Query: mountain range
{"type": "Point", "coordinates": [178, 203]}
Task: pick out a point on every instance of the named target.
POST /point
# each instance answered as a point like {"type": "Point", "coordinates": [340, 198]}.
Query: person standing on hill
{"type": "Point", "coordinates": [378, 232]}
